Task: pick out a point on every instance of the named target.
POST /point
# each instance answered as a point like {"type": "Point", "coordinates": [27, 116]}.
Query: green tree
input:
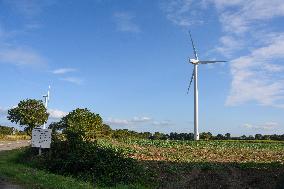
{"type": "Point", "coordinates": [30, 113]}
{"type": "Point", "coordinates": [220, 137]}
{"type": "Point", "coordinates": [205, 136]}
{"type": "Point", "coordinates": [228, 136]}
{"type": "Point", "coordinates": [80, 124]}
{"type": "Point", "coordinates": [258, 136]}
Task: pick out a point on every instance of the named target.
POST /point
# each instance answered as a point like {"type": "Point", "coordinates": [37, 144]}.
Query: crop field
{"type": "Point", "coordinates": [201, 151]}
{"type": "Point", "coordinates": [207, 164]}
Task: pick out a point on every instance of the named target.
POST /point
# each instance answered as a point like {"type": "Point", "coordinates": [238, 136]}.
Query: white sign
{"type": "Point", "coordinates": [41, 138]}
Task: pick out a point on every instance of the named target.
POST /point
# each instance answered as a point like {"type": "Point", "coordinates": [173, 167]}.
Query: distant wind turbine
{"type": "Point", "coordinates": [46, 100]}
{"type": "Point", "coordinates": [195, 61]}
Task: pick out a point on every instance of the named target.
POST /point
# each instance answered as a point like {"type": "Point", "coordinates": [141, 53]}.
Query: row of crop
{"type": "Point", "coordinates": [277, 145]}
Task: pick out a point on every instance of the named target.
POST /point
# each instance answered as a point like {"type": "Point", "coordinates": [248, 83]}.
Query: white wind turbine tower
{"type": "Point", "coordinates": [194, 76]}
{"type": "Point", "coordinates": [46, 100]}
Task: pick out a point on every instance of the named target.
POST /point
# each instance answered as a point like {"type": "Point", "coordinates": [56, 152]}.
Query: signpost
{"type": "Point", "coordinates": [41, 138]}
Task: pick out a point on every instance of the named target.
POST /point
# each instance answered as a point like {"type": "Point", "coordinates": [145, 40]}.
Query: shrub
{"type": "Point", "coordinates": [87, 160]}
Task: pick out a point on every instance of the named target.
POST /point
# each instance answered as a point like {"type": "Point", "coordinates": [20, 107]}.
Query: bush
{"type": "Point", "coordinates": [103, 166]}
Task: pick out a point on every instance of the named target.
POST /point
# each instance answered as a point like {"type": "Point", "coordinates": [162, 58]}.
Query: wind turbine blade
{"type": "Point", "coordinates": [194, 50]}
{"type": "Point", "coordinates": [192, 76]}
{"type": "Point", "coordinates": [210, 62]}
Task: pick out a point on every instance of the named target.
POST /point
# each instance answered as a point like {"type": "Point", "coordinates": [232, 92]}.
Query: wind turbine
{"type": "Point", "coordinates": [46, 100]}
{"type": "Point", "coordinates": [195, 61]}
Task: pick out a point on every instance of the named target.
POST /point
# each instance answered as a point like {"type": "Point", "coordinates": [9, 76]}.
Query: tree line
{"type": "Point", "coordinates": [125, 133]}
{"type": "Point", "coordinates": [31, 113]}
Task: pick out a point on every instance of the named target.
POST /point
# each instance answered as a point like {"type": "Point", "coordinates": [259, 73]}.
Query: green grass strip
{"type": "Point", "coordinates": [32, 178]}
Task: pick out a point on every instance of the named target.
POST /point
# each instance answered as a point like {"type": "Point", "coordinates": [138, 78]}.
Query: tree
{"type": "Point", "coordinates": [219, 137]}
{"type": "Point", "coordinates": [80, 124]}
{"type": "Point", "coordinates": [243, 137]}
{"type": "Point", "coordinates": [258, 136]}
{"type": "Point", "coordinates": [205, 136]}
{"type": "Point", "coordinates": [30, 113]}
{"type": "Point", "coordinates": [158, 135]}
{"type": "Point", "coordinates": [228, 136]}
{"type": "Point", "coordinates": [5, 130]}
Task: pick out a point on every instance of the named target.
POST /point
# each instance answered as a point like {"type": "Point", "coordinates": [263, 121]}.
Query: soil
{"type": "Point", "coordinates": [6, 185]}
{"type": "Point", "coordinates": [228, 178]}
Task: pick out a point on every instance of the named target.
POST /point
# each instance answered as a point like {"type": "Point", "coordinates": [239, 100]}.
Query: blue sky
{"type": "Point", "coordinates": [128, 61]}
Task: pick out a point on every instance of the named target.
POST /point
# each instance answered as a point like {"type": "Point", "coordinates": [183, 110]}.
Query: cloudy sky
{"type": "Point", "coordinates": [128, 61]}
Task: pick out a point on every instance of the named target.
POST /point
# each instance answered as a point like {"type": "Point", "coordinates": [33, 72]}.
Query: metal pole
{"type": "Point", "coordinates": [46, 99]}
{"type": "Point", "coordinates": [196, 133]}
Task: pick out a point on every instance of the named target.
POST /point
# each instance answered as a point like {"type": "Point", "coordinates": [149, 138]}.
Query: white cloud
{"type": "Point", "coordinates": [238, 16]}
{"type": "Point", "coordinates": [3, 111]}
{"type": "Point", "coordinates": [140, 119]}
{"type": "Point", "coordinates": [125, 122]}
{"type": "Point", "coordinates": [63, 70]}
{"type": "Point", "coordinates": [264, 126]}
{"type": "Point", "coordinates": [20, 56]}
{"type": "Point", "coordinates": [74, 80]}
{"type": "Point", "coordinates": [137, 122]}
{"type": "Point", "coordinates": [162, 123]}
{"type": "Point", "coordinates": [56, 114]}
{"type": "Point", "coordinates": [255, 77]}
{"type": "Point", "coordinates": [28, 8]}
{"type": "Point", "coordinates": [183, 12]}
{"type": "Point", "coordinates": [125, 22]}
{"type": "Point", "coordinates": [229, 45]}
{"type": "Point", "coordinates": [120, 122]}
{"type": "Point", "coordinates": [28, 11]}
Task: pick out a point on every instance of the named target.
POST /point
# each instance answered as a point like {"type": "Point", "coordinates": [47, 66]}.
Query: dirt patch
{"type": "Point", "coordinates": [6, 185]}
{"type": "Point", "coordinates": [231, 178]}
{"type": "Point", "coordinates": [184, 176]}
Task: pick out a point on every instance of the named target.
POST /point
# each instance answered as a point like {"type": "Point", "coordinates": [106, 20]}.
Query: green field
{"type": "Point", "coordinates": [258, 152]}
{"type": "Point", "coordinates": [208, 164]}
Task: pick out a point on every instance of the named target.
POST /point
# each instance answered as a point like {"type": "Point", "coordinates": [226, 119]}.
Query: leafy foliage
{"type": "Point", "coordinates": [101, 165]}
{"type": "Point", "coordinates": [80, 125]}
{"type": "Point", "coordinates": [75, 152]}
{"type": "Point", "coordinates": [30, 113]}
{"type": "Point", "coordinates": [4, 130]}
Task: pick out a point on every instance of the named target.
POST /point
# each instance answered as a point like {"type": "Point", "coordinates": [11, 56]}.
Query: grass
{"type": "Point", "coordinates": [33, 178]}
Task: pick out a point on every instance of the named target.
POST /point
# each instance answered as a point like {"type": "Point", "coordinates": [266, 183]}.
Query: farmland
{"type": "Point", "coordinates": [203, 164]}
{"type": "Point", "coordinates": [178, 164]}
{"type": "Point", "coordinates": [200, 151]}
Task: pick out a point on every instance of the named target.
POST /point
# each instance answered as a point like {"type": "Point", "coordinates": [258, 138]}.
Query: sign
{"type": "Point", "coordinates": [41, 138]}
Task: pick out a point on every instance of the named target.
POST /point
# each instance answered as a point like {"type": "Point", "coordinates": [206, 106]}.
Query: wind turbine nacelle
{"type": "Point", "coordinates": [193, 61]}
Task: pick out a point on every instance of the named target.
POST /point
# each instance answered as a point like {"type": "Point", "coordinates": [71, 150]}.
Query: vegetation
{"type": "Point", "coordinates": [200, 151]}
{"type": "Point", "coordinates": [74, 151]}
{"type": "Point", "coordinates": [167, 162]}
{"type": "Point", "coordinates": [32, 177]}
{"type": "Point", "coordinates": [86, 149]}
{"type": "Point", "coordinates": [80, 124]}
{"type": "Point", "coordinates": [4, 130]}
{"type": "Point", "coordinates": [30, 113]}
{"type": "Point", "coordinates": [125, 133]}
{"type": "Point", "coordinates": [10, 133]}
